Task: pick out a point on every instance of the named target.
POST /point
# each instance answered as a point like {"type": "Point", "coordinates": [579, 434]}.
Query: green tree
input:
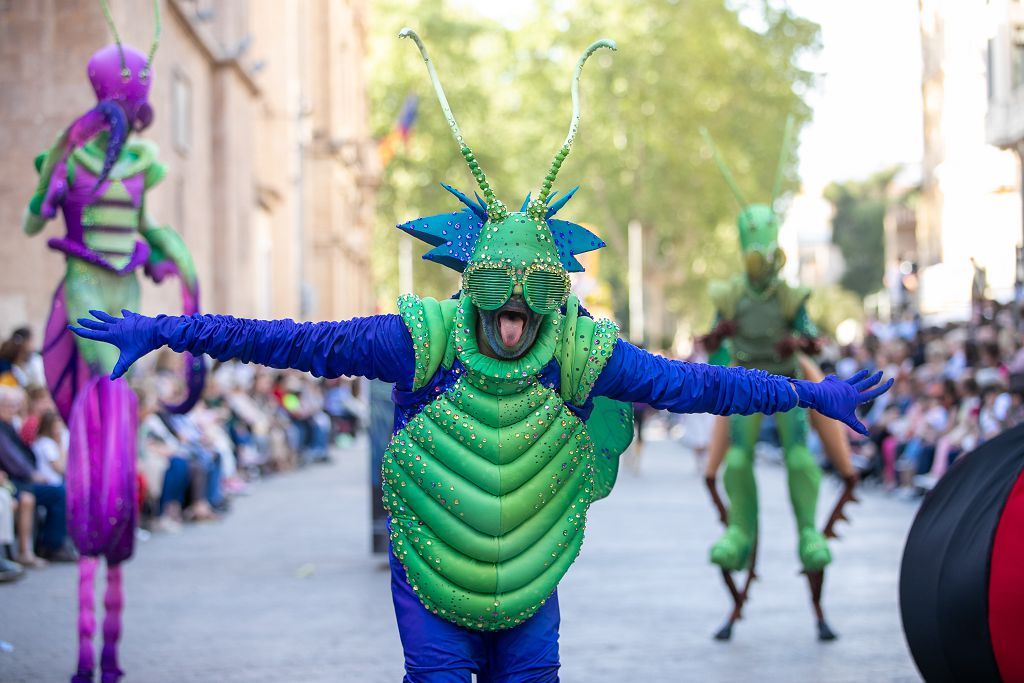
{"type": "Point", "coordinates": [858, 230]}
{"type": "Point", "coordinates": [680, 65]}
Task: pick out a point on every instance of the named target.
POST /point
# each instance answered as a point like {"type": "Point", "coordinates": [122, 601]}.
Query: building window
{"type": "Point", "coordinates": [990, 60]}
{"type": "Point", "coordinates": [1017, 56]}
{"type": "Point", "coordinates": [181, 112]}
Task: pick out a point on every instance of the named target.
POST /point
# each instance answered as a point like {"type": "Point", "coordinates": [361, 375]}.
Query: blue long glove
{"type": "Point", "coordinates": [832, 397]}
{"type": "Point", "coordinates": [378, 347]}
{"type": "Point", "coordinates": [638, 376]}
{"type": "Point", "coordinates": [135, 335]}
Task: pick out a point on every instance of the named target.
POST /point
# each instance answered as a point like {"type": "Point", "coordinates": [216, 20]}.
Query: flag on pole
{"type": "Point", "coordinates": [400, 131]}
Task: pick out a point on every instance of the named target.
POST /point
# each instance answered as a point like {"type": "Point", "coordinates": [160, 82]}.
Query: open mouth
{"type": "Point", "coordinates": [511, 322]}
{"type": "Point", "coordinates": [511, 329]}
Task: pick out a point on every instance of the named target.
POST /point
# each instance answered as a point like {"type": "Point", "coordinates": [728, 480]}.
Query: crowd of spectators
{"type": "Point", "coordinates": [956, 386]}
{"type": "Point", "coordinates": [250, 422]}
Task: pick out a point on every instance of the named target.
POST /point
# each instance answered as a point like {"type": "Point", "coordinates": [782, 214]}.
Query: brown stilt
{"type": "Point", "coordinates": [739, 597]}
{"type": "Point", "coordinates": [816, 581]}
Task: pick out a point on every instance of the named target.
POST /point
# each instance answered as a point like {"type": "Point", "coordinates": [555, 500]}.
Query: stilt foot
{"type": "Point", "coordinates": [825, 632]}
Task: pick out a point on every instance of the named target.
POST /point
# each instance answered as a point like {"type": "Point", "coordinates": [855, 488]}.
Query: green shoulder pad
{"type": "Point", "coordinates": [38, 161]}
{"type": "Point", "coordinates": [156, 172]}
{"type": "Point", "coordinates": [430, 325]}
{"type": "Point", "coordinates": [725, 295]}
{"type": "Point", "coordinates": [792, 298]}
{"type": "Point", "coordinates": [586, 347]}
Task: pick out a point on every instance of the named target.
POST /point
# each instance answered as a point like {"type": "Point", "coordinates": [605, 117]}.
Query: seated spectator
{"type": "Point", "coordinates": [211, 417]}
{"type": "Point", "coordinates": [961, 436]}
{"type": "Point", "coordinates": [264, 395]}
{"type": "Point", "coordinates": [48, 447]}
{"type": "Point", "coordinates": [302, 402]}
{"type": "Point", "coordinates": [205, 491]}
{"type": "Point", "coordinates": [926, 423]}
{"type": "Point", "coordinates": [994, 415]}
{"type": "Point", "coordinates": [20, 364]}
{"type": "Point", "coordinates": [9, 570]}
{"type": "Point", "coordinates": [165, 466]}
{"type": "Point", "coordinates": [18, 461]}
{"type": "Point", "coordinates": [39, 402]}
{"type": "Point", "coordinates": [991, 371]}
{"type": "Point", "coordinates": [344, 409]}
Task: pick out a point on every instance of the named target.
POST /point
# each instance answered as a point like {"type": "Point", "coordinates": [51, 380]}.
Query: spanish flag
{"type": "Point", "coordinates": [399, 133]}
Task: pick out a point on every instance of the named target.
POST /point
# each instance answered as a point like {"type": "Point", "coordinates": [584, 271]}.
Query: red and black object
{"type": "Point", "coordinates": [962, 578]}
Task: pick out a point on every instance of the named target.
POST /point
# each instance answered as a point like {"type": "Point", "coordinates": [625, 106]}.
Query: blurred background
{"type": "Point", "coordinates": [297, 134]}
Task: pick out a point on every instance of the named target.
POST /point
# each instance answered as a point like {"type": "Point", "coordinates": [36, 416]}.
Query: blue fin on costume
{"type": "Point", "coordinates": [526, 203]}
{"type": "Point", "coordinates": [554, 206]}
{"type": "Point", "coordinates": [478, 207]}
{"type": "Point", "coordinates": [453, 235]}
{"type": "Point", "coordinates": [572, 239]}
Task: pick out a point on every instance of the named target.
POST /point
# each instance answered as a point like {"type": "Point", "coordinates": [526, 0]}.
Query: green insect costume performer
{"type": "Point", "coordinates": [511, 410]}
{"type": "Point", "coordinates": [762, 322]}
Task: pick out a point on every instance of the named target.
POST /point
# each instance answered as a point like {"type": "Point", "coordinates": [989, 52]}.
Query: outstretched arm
{"type": "Point", "coordinates": [378, 347]}
{"type": "Point", "coordinates": [633, 374]}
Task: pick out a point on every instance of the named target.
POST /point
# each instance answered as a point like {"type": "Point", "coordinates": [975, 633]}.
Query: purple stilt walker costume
{"type": "Point", "coordinates": [98, 179]}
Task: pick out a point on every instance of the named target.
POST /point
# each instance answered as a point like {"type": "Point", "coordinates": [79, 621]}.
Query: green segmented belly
{"type": "Point", "coordinates": [488, 498]}
{"type": "Point", "coordinates": [110, 225]}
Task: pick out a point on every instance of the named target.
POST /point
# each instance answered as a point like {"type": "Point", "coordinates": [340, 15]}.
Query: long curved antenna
{"type": "Point", "coordinates": [539, 206]}
{"type": "Point", "coordinates": [723, 168]}
{"type": "Point", "coordinates": [495, 209]}
{"type": "Point", "coordinates": [125, 74]}
{"type": "Point", "coordinates": [783, 157]}
{"type": "Point", "coordinates": [144, 74]}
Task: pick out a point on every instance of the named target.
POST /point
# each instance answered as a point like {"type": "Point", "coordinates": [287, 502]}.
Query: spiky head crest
{"type": "Point", "coordinates": [470, 235]}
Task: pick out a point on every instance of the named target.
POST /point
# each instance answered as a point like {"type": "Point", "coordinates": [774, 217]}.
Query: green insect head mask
{"type": "Point", "coordinates": [757, 224]}
{"type": "Point", "coordinates": [515, 265]}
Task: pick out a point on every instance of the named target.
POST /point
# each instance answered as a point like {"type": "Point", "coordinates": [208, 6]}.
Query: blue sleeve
{"type": "Point", "coordinates": [377, 347]}
{"type": "Point", "coordinates": [635, 375]}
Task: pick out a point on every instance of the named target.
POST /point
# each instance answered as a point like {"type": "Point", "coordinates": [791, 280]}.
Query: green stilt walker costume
{"type": "Point", "coordinates": [761, 322]}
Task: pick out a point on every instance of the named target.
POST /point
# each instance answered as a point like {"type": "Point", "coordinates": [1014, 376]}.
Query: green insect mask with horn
{"type": "Point", "coordinates": [515, 265]}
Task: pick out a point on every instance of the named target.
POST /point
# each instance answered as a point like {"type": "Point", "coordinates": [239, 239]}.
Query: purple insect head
{"type": "Point", "coordinates": [122, 75]}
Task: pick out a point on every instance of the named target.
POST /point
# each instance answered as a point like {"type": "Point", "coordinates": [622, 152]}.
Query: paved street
{"type": "Point", "coordinates": [285, 590]}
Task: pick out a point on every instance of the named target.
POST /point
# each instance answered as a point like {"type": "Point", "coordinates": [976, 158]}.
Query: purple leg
{"type": "Point", "coordinates": [101, 506]}
{"type": "Point", "coordinates": [86, 619]}
{"type": "Point", "coordinates": [113, 603]}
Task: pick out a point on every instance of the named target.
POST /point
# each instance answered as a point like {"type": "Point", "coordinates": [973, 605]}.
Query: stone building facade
{"type": "Point", "coordinates": [1004, 123]}
{"type": "Point", "coordinates": [969, 204]}
{"type": "Point", "coordinates": [261, 117]}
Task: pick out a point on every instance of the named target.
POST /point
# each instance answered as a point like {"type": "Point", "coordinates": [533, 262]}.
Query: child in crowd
{"type": "Point", "coordinates": [48, 447]}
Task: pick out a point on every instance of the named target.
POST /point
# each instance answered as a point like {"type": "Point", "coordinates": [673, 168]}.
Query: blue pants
{"type": "Point", "coordinates": [213, 482]}
{"type": "Point", "coordinates": [438, 651]}
{"type": "Point", "coordinates": [175, 484]}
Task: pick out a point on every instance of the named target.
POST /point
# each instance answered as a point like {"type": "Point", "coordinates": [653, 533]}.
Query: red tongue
{"type": "Point", "coordinates": [511, 329]}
